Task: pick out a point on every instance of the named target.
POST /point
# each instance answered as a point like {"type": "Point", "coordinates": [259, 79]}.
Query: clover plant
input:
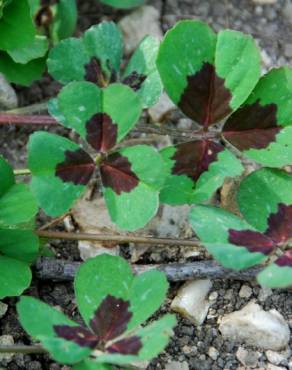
{"type": "Point", "coordinates": [215, 78]}
{"type": "Point", "coordinates": [97, 57]}
{"type": "Point", "coordinates": [18, 243]}
{"type": "Point", "coordinates": [113, 304]}
{"type": "Point", "coordinates": [27, 28]}
{"type": "Point", "coordinates": [123, 4]}
{"type": "Point", "coordinates": [265, 201]}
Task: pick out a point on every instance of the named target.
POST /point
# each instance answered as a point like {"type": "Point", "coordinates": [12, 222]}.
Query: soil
{"type": "Point", "coordinates": [190, 345]}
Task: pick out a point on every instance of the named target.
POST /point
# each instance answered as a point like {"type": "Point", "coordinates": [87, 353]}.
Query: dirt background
{"type": "Point", "coordinates": [271, 25]}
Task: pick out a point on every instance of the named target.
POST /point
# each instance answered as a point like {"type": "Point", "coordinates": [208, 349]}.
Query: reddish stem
{"type": "Point", "coordinates": [18, 119]}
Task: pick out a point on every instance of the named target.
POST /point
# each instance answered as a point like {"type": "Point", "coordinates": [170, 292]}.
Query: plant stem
{"type": "Point", "coordinates": [22, 172]}
{"type": "Point", "coordinates": [118, 238]}
{"type": "Point", "coordinates": [20, 119]}
{"type": "Point", "coordinates": [17, 348]}
{"type": "Point", "coordinates": [30, 109]}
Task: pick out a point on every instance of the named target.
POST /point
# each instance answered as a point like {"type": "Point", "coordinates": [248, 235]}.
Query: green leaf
{"type": "Point", "coordinates": [20, 244]}
{"type": "Point", "coordinates": [142, 67]}
{"type": "Point", "coordinates": [40, 326]}
{"type": "Point", "coordinates": [15, 277]}
{"type": "Point", "coordinates": [7, 176]}
{"type": "Point", "coordinates": [22, 74]}
{"type": "Point", "coordinates": [155, 338]}
{"type": "Point", "coordinates": [78, 102]}
{"type": "Point", "coordinates": [65, 19]}
{"type": "Point", "coordinates": [266, 115]}
{"type": "Point", "coordinates": [207, 75]}
{"type": "Point", "coordinates": [37, 49]}
{"type": "Point", "coordinates": [17, 206]}
{"type": "Point", "coordinates": [53, 193]}
{"type": "Point", "coordinates": [123, 4]}
{"type": "Point", "coordinates": [107, 275]}
{"type": "Point", "coordinates": [16, 25]}
{"type": "Point", "coordinates": [261, 192]}
{"type": "Point", "coordinates": [212, 224]}
{"type": "Point", "coordinates": [180, 186]}
{"type": "Point", "coordinates": [135, 200]}
{"type": "Point", "coordinates": [69, 59]}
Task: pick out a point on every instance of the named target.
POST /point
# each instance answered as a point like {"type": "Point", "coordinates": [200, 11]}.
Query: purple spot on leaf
{"type": "Point", "coordinates": [94, 72]}
{"type": "Point", "coordinates": [254, 241]}
{"type": "Point", "coordinates": [77, 334]}
{"type": "Point", "coordinates": [101, 132]}
{"type": "Point", "coordinates": [206, 99]}
{"type": "Point", "coordinates": [127, 346]}
{"type": "Point", "coordinates": [194, 158]}
{"type": "Point", "coordinates": [116, 173]}
{"type": "Point", "coordinates": [252, 126]}
{"type": "Point", "coordinates": [280, 224]}
{"type": "Point", "coordinates": [134, 80]}
{"type": "Point", "coordinates": [77, 167]}
{"type": "Point", "coordinates": [285, 259]}
{"type": "Point", "coordinates": [111, 318]}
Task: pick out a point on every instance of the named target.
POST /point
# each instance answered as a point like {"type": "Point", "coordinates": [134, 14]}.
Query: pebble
{"type": "Point", "coordinates": [159, 111]}
{"type": "Point", "coordinates": [191, 302]}
{"type": "Point", "coordinates": [288, 50]}
{"type": "Point", "coordinates": [245, 291]}
{"type": "Point", "coordinates": [3, 309]}
{"type": "Point", "coordinates": [8, 97]}
{"type": "Point", "coordinates": [273, 367]}
{"type": "Point", "coordinates": [264, 294]}
{"type": "Point", "coordinates": [6, 340]}
{"type": "Point", "coordinates": [247, 358]}
{"type": "Point", "coordinates": [140, 23]}
{"type": "Point", "coordinates": [264, 2]}
{"type": "Point", "coordinates": [254, 326]}
{"type": "Point", "coordinates": [175, 365]}
{"type": "Point", "coordinates": [287, 11]}
{"type": "Point", "coordinates": [213, 353]}
{"type": "Point", "coordinates": [276, 358]}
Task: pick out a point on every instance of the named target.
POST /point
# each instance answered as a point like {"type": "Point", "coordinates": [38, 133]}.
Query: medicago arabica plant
{"type": "Point", "coordinates": [18, 243]}
{"type": "Point", "coordinates": [113, 304]}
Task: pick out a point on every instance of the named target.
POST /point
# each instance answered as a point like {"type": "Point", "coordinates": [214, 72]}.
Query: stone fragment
{"type": "Point", "coordinates": [247, 358]}
{"type": "Point", "coordinates": [273, 367]}
{"type": "Point", "coordinates": [264, 293]}
{"type": "Point", "coordinates": [8, 97]}
{"type": "Point", "coordinates": [175, 365]}
{"type": "Point", "coordinates": [288, 50]}
{"type": "Point", "coordinates": [276, 358]}
{"type": "Point", "coordinates": [159, 111]}
{"type": "Point", "coordinates": [287, 11]}
{"type": "Point", "coordinates": [245, 291]}
{"type": "Point", "coordinates": [256, 327]}
{"type": "Point", "coordinates": [213, 353]}
{"type": "Point", "coordinates": [264, 2]}
{"type": "Point", "coordinates": [140, 23]}
{"type": "Point", "coordinates": [6, 340]}
{"type": "Point", "coordinates": [191, 301]}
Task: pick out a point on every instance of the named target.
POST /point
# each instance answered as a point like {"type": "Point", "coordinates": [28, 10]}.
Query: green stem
{"type": "Point", "coordinates": [30, 109]}
{"type": "Point", "coordinates": [22, 172]}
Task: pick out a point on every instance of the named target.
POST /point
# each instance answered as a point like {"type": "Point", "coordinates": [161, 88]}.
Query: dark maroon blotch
{"type": "Point", "coordinates": [254, 241]}
{"type": "Point", "coordinates": [134, 80]}
{"type": "Point", "coordinates": [127, 346]}
{"type": "Point", "coordinates": [194, 158]}
{"type": "Point", "coordinates": [116, 173]}
{"type": "Point", "coordinates": [280, 224]}
{"type": "Point", "coordinates": [285, 260]}
{"type": "Point", "coordinates": [44, 17]}
{"type": "Point", "coordinates": [111, 318]}
{"type": "Point", "coordinates": [77, 334]}
{"type": "Point", "coordinates": [252, 127]}
{"type": "Point", "coordinates": [206, 99]}
{"type": "Point", "coordinates": [77, 167]}
{"type": "Point", "coordinates": [94, 72]}
{"type": "Point", "coordinates": [101, 132]}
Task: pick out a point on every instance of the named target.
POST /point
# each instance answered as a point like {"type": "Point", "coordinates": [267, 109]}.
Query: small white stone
{"type": "Point", "coordinates": [245, 291]}
{"type": "Point", "coordinates": [140, 23]}
{"type": "Point", "coordinates": [264, 294]}
{"type": "Point", "coordinates": [213, 353]}
{"type": "Point", "coordinates": [6, 340]}
{"type": "Point", "coordinates": [264, 2]}
{"type": "Point", "coordinates": [247, 358]}
{"type": "Point", "coordinates": [254, 326]}
{"type": "Point", "coordinates": [273, 367]}
{"type": "Point", "coordinates": [191, 301]}
{"type": "Point", "coordinates": [287, 11]}
{"type": "Point", "coordinates": [159, 111]}
{"type": "Point", "coordinates": [8, 97]}
{"type": "Point", "coordinates": [175, 365]}
{"type": "Point", "coordinates": [213, 296]}
{"type": "Point", "coordinates": [275, 357]}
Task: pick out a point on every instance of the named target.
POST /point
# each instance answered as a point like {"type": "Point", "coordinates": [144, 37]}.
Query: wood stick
{"type": "Point", "coordinates": [48, 268]}
{"type": "Point", "coordinates": [19, 348]}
